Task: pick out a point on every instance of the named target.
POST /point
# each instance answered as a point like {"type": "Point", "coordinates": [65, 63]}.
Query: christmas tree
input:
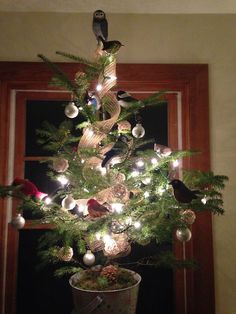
{"type": "Point", "coordinates": [114, 190]}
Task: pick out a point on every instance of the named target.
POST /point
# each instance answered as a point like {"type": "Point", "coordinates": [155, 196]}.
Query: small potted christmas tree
{"type": "Point", "coordinates": [115, 192]}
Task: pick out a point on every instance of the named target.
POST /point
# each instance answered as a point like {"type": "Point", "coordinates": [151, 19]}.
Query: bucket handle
{"type": "Point", "coordinates": [89, 308]}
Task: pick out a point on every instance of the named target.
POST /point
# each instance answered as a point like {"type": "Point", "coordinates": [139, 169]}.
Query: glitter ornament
{"type": "Point", "coordinates": [119, 191]}
{"type": "Point", "coordinates": [124, 126]}
{"type": "Point", "coordinates": [68, 202]}
{"type": "Point", "coordinates": [18, 222]}
{"type": "Point", "coordinates": [138, 131]}
{"type": "Point", "coordinates": [60, 165]}
{"type": "Point", "coordinates": [188, 216]}
{"type": "Point", "coordinates": [89, 258]}
{"type": "Point", "coordinates": [183, 235]}
{"type": "Point", "coordinates": [71, 110]}
{"type": "Point", "coordinates": [116, 245]}
{"type": "Point", "coordinates": [65, 253]}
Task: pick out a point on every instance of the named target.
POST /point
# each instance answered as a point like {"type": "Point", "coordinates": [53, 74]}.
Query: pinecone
{"type": "Point", "coordinates": [110, 272]}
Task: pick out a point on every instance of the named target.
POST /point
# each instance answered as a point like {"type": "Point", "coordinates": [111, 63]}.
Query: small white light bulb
{"type": "Point", "coordinates": [161, 190]}
{"type": "Point", "coordinates": [99, 87]}
{"type": "Point", "coordinates": [48, 200]}
{"type": "Point", "coordinates": [62, 179]}
{"type": "Point", "coordinates": [140, 163]}
{"type": "Point", "coordinates": [175, 163]}
{"type": "Point", "coordinates": [204, 200]}
{"type": "Point", "coordinates": [137, 225]}
{"type": "Point", "coordinates": [135, 173]}
{"type": "Point", "coordinates": [98, 235]}
{"type": "Point", "coordinates": [128, 221]}
{"type": "Point", "coordinates": [154, 161]}
{"type": "Point", "coordinates": [117, 207]}
{"type": "Point", "coordinates": [146, 180]}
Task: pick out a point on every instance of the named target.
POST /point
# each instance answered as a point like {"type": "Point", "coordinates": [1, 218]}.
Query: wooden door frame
{"type": "Point", "coordinates": [194, 289]}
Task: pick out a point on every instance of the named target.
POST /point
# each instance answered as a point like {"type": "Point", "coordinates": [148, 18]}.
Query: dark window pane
{"type": "Point", "coordinates": [38, 111]}
{"type": "Point", "coordinates": [39, 291]}
{"type": "Point", "coordinates": [155, 123]}
{"type": "Point", "coordinates": [37, 173]}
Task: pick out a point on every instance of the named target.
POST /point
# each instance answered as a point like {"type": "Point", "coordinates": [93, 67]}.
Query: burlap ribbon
{"type": "Point", "coordinates": [98, 130]}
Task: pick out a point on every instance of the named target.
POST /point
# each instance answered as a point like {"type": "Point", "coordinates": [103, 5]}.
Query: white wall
{"type": "Point", "coordinates": [157, 39]}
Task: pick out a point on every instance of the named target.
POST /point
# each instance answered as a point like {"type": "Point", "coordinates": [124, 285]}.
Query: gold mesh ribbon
{"type": "Point", "coordinates": [98, 130]}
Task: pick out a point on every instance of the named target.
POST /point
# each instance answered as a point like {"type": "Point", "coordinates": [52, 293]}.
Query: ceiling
{"type": "Point", "coordinates": [120, 6]}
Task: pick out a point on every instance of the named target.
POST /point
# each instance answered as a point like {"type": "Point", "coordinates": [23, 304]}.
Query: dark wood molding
{"type": "Point", "coordinates": [191, 80]}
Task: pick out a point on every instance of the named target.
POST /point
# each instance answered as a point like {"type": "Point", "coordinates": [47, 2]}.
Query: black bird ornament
{"type": "Point", "coordinates": [100, 25]}
{"type": "Point", "coordinates": [119, 149]}
{"type": "Point", "coordinates": [182, 193]}
{"type": "Point", "coordinates": [111, 46]}
{"type": "Point", "coordinates": [125, 100]}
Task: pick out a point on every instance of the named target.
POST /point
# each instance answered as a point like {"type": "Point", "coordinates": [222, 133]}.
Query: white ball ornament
{"type": "Point", "coordinates": [68, 202]}
{"type": "Point", "coordinates": [71, 110]}
{"type": "Point", "coordinates": [89, 258]}
{"type": "Point", "coordinates": [138, 131]}
{"type": "Point", "coordinates": [18, 222]}
{"type": "Point", "coordinates": [183, 235]}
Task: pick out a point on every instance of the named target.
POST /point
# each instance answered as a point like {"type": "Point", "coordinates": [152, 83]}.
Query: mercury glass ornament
{"type": "Point", "coordinates": [18, 222]}
{"type": "Point", "coordinates": [138, 131]}
{"type": "Point", "coordinates": [183, 235]}
{"type": "Point", "coordinates": [188, 216]}
{"type": "Point", "coordinates": [68, 202]}
{"type": "Point", "coordinates": [65, 253]}
{"type": "Point", "coordinates": [71, 110]}
{"type": "Point", "coordinates": [89, 258]}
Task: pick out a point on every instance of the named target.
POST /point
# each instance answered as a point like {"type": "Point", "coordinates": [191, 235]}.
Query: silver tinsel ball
{"type": "Point", "coordinates": [183, 235]}
{"type": "Point", "coordinates": [138, 131]}
{"type": "Point", "coordinates": [18, 222]}
{"type": "Point", "coordinates": [71, 110]}
{"type": "Point", "coordinates": [89, 258]}
{"type": "Point", "coordinates": [68, 202]}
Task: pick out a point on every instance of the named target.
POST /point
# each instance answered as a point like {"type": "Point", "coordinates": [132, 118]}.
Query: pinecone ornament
{"type": "Point", "coordinates": [110, 272]}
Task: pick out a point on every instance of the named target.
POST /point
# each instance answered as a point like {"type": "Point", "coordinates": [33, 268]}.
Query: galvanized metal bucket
{"type": "Point", "coordinates": [122, 301]}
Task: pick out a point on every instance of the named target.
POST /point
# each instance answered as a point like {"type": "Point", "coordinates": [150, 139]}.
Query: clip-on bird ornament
{"type": "Point", "coordinates": [95, 209]}
{"type": "Point", "coordinates": [119, 150]}
{"type": "Point", "coordinates": [182, 193]}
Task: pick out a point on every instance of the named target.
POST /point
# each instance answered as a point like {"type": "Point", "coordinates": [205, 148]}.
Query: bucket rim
{"type": "Point", "coordinates": [139, 278]}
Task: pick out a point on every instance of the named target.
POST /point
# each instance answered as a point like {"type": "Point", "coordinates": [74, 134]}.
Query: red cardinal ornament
{"type": "Point", "coordinates": [28, 188]}
{"type": "Point", "coordinates": [95, 209]}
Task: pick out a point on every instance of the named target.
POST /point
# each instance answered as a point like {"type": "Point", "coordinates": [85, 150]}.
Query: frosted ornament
{"type": "Point", "coordinates": [89, 258]}
{"type": "Point", "coordinates": [68, 202]}
{"type": "Point", "coordinates": [60, 165]}
{"type": "Point", "coordinates": [71, 110]}
{"type": "Point", "coordinates": [138, 131]}
{"type": "Point", "coordinates": [18, 222]}
{"type": "Point", "coordinates": [183, 235]}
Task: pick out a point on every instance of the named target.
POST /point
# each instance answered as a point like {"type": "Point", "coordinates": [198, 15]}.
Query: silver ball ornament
{"type": "Point", "coordinates": [138, 131]}
{"type": "Point", "coordinates": [89, 258]}
{"type": "Point", "coordinates": [18, 222]}
{"type": "Point", "coordinates": [183, 235]}
{"type": "Point", "coordinates": [68, 202]}
{"type": "Point", "coordinates": [71, 110]}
